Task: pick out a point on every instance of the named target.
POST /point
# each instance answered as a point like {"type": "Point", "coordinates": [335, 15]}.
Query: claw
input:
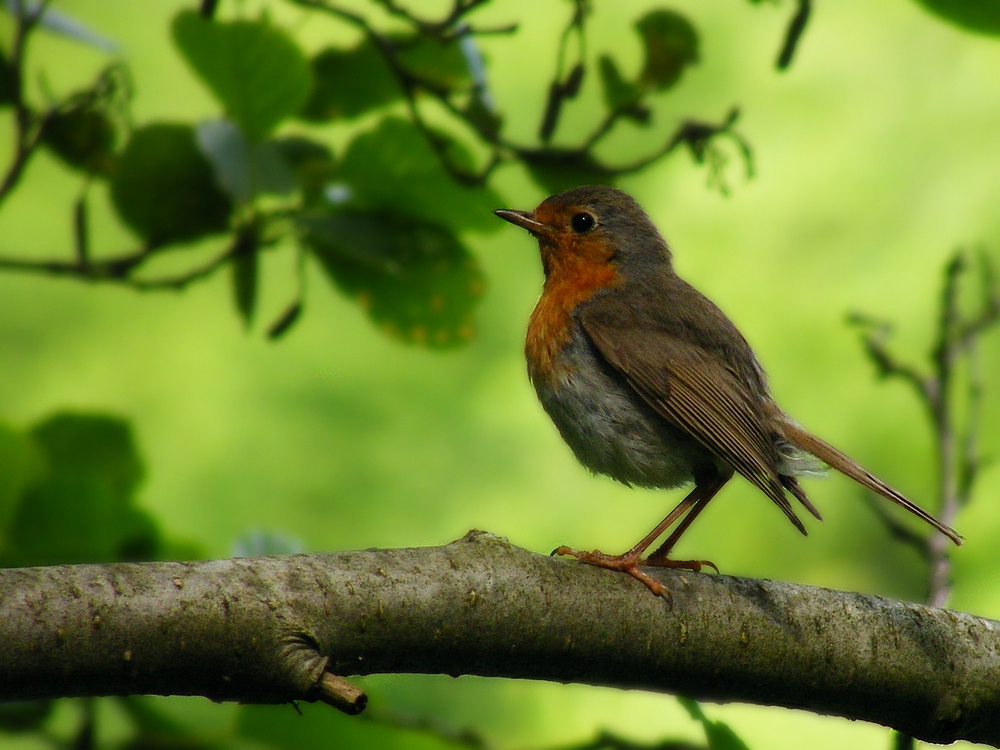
{"type": "Point", "coordinates": [692, 565]}
{"type": "Point", "coordinates": [627, 563]}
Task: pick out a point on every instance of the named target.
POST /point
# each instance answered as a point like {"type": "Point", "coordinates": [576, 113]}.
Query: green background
{"type": "Point", "coordinates": [877, 154]}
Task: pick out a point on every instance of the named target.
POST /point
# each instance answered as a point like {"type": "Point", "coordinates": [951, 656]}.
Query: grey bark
{"type": "Point", "coordinates": [272, 630]}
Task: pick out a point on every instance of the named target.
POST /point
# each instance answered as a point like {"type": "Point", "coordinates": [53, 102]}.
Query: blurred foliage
{"type": "Point", "coordinates": [980, 16]}
{"type": "Point", "coordinates": [174, 183]}
{"type": "Point", "coordinates": [67, 494]}
{"type": "Point", "coordinates": [374, 151]}
{"type": "Point", "coordinates": [718, 734]}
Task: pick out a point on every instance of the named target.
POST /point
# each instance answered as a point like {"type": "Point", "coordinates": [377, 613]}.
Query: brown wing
{"type": "Point", "coordinates": [697, 393]}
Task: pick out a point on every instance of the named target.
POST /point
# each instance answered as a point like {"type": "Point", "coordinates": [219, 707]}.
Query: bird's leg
{"type": "Point", "coordinates": [704, 490]}
{"type": "Point", "coordinates": [659, 557]}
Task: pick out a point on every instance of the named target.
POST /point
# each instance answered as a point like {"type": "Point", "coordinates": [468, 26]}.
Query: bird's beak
{"type": "Point", "coordinates": [523, 219]}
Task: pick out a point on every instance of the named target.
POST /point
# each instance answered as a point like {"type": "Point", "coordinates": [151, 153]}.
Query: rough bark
{"type": "Point", "coordinates": [268, 630]}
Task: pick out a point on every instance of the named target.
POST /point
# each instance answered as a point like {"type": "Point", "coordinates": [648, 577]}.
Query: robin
{"type": "Point", "coordinates": [650, 383]}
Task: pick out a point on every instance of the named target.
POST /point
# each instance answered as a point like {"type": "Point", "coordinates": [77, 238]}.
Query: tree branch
{"type": "Point", "coordinates": [270, 630]}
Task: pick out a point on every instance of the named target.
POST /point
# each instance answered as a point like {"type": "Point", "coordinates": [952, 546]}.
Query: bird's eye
{"type": "Point", "coordinates": [583, 222]}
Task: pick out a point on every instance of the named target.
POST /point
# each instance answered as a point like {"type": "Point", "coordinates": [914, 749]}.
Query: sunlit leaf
{"type": "Point", "coordinates": [392, 167]}
{"type": "Point", "coordinates": [84, 138]}
{"type": "Point", "coordinates": [243, 169]}
{"type": "Point", "coordinates": [255, 70]}
{"type": "Point", "coordinates": [82, 509]}
{"type": "Point", "coordinates": [981, 16]}
{"type": "Point", "coordinates": [415, 280]}
{"type": "Point", "coordinates": [348, 83]}
{"type": "Point", "coordinates": [556, 170]}
{"type": "Point", "coordinates": [671, 44]}
{"type": "Point", "coordinates": [164, 188]}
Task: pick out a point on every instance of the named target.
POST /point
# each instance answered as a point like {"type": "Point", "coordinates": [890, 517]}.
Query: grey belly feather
{"type": "Point", "coordinates": [611, 429]}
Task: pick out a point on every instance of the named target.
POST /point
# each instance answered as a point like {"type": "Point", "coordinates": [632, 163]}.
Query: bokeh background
{"type": "Point", "coordinates": [877, 155]}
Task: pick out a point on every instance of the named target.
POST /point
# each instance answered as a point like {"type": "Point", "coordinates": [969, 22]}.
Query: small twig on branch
{"type": "Point", "coordinates": [342, 695]}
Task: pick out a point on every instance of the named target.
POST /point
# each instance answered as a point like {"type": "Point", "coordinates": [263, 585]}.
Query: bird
{"type": "Point", "coordinates": [650, 383]}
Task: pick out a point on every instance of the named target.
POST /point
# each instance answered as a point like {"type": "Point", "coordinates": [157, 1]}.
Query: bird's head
{"type": "Point", "coordinates": [592, 227]}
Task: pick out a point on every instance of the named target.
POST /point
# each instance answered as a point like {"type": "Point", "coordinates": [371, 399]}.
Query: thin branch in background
{"type": "Point", "coordinates": [897, 529]}
{"type": "Point", "coordinates": [84, 739]}
{"type": "Point", "coordinates": [29, 127]}
{"type": "Point", "coordinates": [566, 85]}
{"type": "Point", "coordinates": [956, 441]}
{"type": "Point", "coordinates": [111, 92]}
{"type": "Point", "coordinates": [903, 741]}
{"type": "Point", "coordinates": [118, 270]}
{"type": "Point", "coordinates": [207, 8]}
{"type": "Point", "coordinates": [794, 33]}
{"type": "Point", "coordinates": [438, 28]}
{"type": "Point", "coordinates": [81, 230]}
{"type": "Point", "coordinates": [875, 339]}
{"type": "Point", "coordinates": [699, 138]}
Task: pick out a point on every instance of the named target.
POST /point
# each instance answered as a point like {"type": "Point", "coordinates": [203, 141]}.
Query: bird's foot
{"type": "Point", "coordinates": [627, 563]}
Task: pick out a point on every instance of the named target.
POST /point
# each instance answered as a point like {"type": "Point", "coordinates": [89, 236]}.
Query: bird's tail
{"type": "Point", "coordinates": [798, 437]}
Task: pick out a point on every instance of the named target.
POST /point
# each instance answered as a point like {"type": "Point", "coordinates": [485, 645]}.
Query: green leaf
{"type": "Point", "coordinates": [24, 716]}
{"type": "Point", "coordinates": [164, 188]}
{"type": "Point", "coordinates": [312, 164]}
{"type": "Point", "coordinates": [285, 321]}
{"type": "Point", "coordinates": [349, 83]}
{"type": "Point", "coordinates": [437, 62]}
{"type": "Point", "coordinates": [393, 168]}
{"type": "Point", "coordinates": [254, 69]}
{"type": "Point", "coordinates": [718, 734]}
{"type": "Point", "coordinates": [671, 44]}
{"type": "Point", "coordinates": [84, 138]}
{"type": "Point", "coordinates": [556, 170]}
{"type": "Point", "coordinates": [617, 91]}
{"type": "Point", "coordinates": [245, 275]}
{"type": "Point", "coordinates": [82, 509]}
{"type": "Point", "coordinates": [8, 81]}
{"type": "Point", "coordinates": [621, 95]}
{"type": "Point", "coordinates": [158, 729]}
{"type": "Point", "coordinates": [242, 169]}
{"type": "Point", "coordinates": [21, 465]}
{"type": "Point", "coordinates": [483, 116]}
{"type": "Point", "coordinates": [980, 16]}
{"type": "Point", "coordinates": [414, 279]}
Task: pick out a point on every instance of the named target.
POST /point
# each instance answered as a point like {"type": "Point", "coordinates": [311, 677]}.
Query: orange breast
{"type": "Point", "coordinates": [570, 279]}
